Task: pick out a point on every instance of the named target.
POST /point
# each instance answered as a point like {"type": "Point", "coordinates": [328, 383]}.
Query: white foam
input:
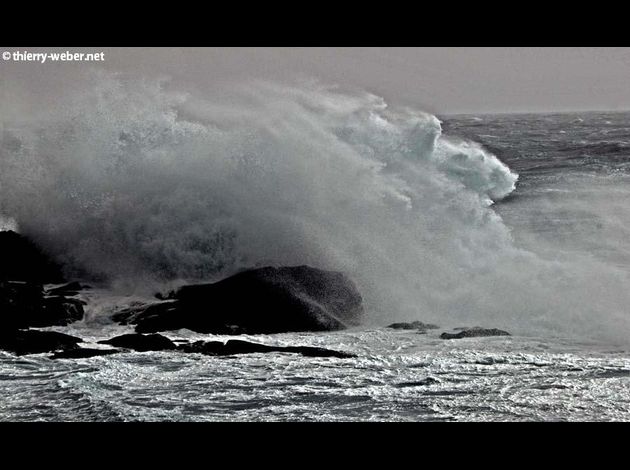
{"type": "Point", "coordinates": [147, 186]}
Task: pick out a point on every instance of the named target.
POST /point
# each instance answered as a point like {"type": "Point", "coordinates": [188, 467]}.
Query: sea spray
{"type": "Point", "coordinates": [142, 186]}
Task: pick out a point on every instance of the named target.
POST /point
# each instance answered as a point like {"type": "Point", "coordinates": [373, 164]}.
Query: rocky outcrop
{"type": "Point", "coordinates": [474, 332]}
{"type": "Point", "coordinates": [232, 347]}
{"type": "Point", "coordinates": [19, 302]}
{"type": "Point", "coordinates": [22, 342]}
{"type": "Point", "coordinates": [72, 288]}
{"type": "Point", "coordinates": [24, 269]}
{"type": "Point", "coordinates": [259, 301]}
{"type": "Point", "coordinates": [24, 305]}
{"type": "Point", "coordinates": [59, 311]}
{"type": "Point", "coordinates": [23, 261]}
{"type": "Point", "coordinates": [139, 342]}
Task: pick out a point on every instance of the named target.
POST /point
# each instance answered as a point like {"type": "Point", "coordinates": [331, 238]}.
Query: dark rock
{"type": "Point", "coordinates": [72, 288]}
{"type": "Point", "coordinates": [231, 347]}
{"type": "Point", "coordinates": [259, 301]}
{"type": "Point", "coordinates": [474, 332]}
{"type": "Point", "coordinates": [310, 351]}
{"type": "Point", "coordinates": [161, 296]}
{"type": "Point", "coordinates": [419, 383]}
{"type": "Point", "coordinates": [82, 353]}
{"type": "Point", "coordinates": [163, 316]}
{"type": "Point", "coordinates": [414, 325]}
{"type": "Point", "coordinates": [141, 343]}
{"type": "Point", "coordinates": [22, 260]}
{"type": "Point", "coordinates": [59, 311]}
{"type": "Point", "coordinates": [19, 302]}
{"type": "Point", "coordinates": [33, 341]}
{"type": "Point", "coordinates": [23, 305]}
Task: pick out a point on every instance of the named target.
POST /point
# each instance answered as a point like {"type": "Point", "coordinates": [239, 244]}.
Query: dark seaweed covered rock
{"type": "Point", "coordinates": [33, 341]}
{"type": "Point", "coordinates": [258, 301]}
{"type": "Point", "coordinates": [474, 332]}
{"type": "Point", "coordinates": [22, 260]}
{"type": "Point", "coordinates": [139, 342]}
{"type": "Point", "coordinates": [231, 347]}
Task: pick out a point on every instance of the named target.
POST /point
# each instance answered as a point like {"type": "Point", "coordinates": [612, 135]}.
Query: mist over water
{"type": "Point", "coordinates": [145, 187]}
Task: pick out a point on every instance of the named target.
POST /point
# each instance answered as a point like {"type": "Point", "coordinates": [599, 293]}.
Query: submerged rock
{"type": "Point", "coordinates": [259, 301]}
{"type": "Point", "coordinates": [139, 342]}
{"type": "Point", "coordinates": [474, 332]}
{"type": "Point", "coordinates": [231, 347]}
{"type": "Point", "coordinates": [22, 342]}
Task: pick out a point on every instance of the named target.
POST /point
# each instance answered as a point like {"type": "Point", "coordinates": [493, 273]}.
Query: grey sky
{"type": "Point", "coordinates": [439, 80]}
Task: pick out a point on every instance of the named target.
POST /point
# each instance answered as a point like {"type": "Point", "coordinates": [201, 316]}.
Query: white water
{"type": "Point", "coordinates": [147, 187]}
{"type": "Point", "coordinates": [397, 376]}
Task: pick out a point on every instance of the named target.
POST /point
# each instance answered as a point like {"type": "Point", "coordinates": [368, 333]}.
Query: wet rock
{"type": "Point", "coordinates": [414, 325]}
{"type": "Point", "coordinates": [72, 288]}
{"type": "Point", "coordinates": [258, 301]}
{"type": "Point", "coordinates": [231, 347]}
{"type": "Point", "coordinates": [59, 311]}
{"type": "Point", "coordinates": [24, 268]}
{"type": "Point", "coordinates": [83, 353]}
{"type": "Point", "coordinates": [19, 301]}
{"type": "Point", "coordinates": [24, 305]}
{"type": "Point", "coordinates": [151, 318]}
{"type": "Point", "coordinates": [139, 342]}
{"type": "Point", "coordinates": [22, 342]}
{"type": "Point", "coordinates": [419, 383]}
{"type": "Point", "coordinates": [474, 332]}
{"type": "Point", "coordinates": [23, 261]}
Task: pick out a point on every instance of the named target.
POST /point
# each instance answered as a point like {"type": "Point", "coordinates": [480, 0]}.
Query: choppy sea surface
{"type": "Point", "coordinates": [399, 376]}
{"type": "Point", "coordinates": [571, 195]}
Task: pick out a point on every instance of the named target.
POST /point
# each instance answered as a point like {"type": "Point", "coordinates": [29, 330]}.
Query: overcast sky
{"type": "Point", "coordinates": [439, 80]}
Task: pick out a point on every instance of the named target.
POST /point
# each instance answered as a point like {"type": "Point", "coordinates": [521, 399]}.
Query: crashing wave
{"type": "Point", "coordinates": [140, 185]}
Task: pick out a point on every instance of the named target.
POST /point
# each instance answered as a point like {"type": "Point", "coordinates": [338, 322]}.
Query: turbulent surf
{"type": "Point", "coordinates": [511, 222]}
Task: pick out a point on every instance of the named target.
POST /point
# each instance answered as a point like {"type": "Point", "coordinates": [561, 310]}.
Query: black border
{"type": "Point", "coordinates": [435, 23]}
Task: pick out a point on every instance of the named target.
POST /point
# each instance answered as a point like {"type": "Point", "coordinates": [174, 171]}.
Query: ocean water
{"type": "Point", "coordinates": [517, 222]}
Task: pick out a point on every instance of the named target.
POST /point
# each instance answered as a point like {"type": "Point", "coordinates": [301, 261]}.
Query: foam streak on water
{"type": "Point", "coordinates": [399, 376]}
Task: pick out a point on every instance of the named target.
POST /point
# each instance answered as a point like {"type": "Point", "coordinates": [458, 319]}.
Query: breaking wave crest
{"type": "Point", "coordinates": [143, 186]}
